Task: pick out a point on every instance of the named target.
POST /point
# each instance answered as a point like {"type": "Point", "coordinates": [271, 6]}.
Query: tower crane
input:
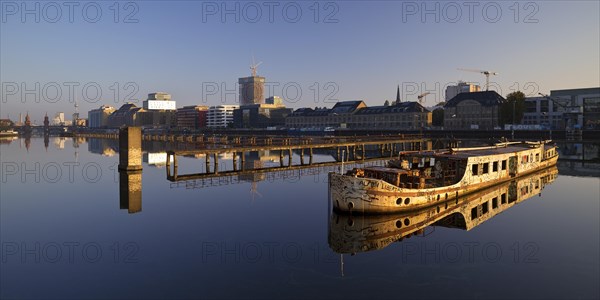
{"type": "Point", "coordinates": [421, 101]}
{"type": "Point", "coordinates": [422, 97]}
{"type": "Point", "coordinates": [484, 72]}
{"type": "Point", "coordinates": [254, 66]}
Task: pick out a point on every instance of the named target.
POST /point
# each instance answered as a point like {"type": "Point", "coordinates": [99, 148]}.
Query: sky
{"type": "Point", "coordinates": [53, 54]}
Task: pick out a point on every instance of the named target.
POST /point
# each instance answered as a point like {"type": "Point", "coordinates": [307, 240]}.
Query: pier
{"type": "Point", "coordinates": [344, 149]}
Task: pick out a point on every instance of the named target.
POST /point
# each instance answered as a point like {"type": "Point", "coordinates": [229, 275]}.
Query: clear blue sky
{"type": "Point", "coordinates": [372, 48]}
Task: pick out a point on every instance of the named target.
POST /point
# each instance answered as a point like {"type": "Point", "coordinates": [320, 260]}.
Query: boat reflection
{"type": "Point", "coordinates": [362, 233]}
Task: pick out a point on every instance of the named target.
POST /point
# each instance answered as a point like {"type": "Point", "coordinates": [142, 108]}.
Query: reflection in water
{"type": "Point", "coordinates": [130, 191]}
{"type": "Point", "coordinates": [352, 234]}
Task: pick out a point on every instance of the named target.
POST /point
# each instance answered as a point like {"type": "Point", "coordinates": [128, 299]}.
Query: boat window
{"type": "Point", "coordinates": [495, 167]}
{"type": "Point", "coordinates": [475, 169]}
{"type": "Point", "coordinates": [503, 198]}
{"type": "Point", "coordinates": [495, 202]}
{"type": "Point", "coordinates": [504, 164]}
{"type": "Point", "coordinates": [473, 213]}
{"type": "Point", "coordinates": [537, 157]}
{"type": "Point", "coordinates": [484, 208]}
{"type": "Point", "coordinates": [486, 168]}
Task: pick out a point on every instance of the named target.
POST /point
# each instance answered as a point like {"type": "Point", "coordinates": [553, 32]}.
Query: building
{"type": "Point", "coordinates": [461, 87]}
{"type": "Point", "coordinates": [156, 118]}
{"type": "Point", "coordinates": [564, 109]}
{"type": "Point", "coordinates": [59, 119]}
{"type": "Point", "coordinates": [475, 110]}
{"type": "Point", "coordinates": [220, 116]}
{"type": "Point", "coordinates": [98, 118]}
{"type": "Point", "coordinates": [192, 117]}
{"type": "Point", "coordinates": [159, 101]}
{"type": "Point", "coordinates": [126, 115]}
{"type": "Point", "coordinates": [584, 109]}
{"type": "Point", "coordinates": [251, 90]}
{"type": "Point", "coordinates": [276, 100]}
{"type": "Point", "coordinates": [356, 115]}
{"type": "Point", "coordinates": [260, 115]}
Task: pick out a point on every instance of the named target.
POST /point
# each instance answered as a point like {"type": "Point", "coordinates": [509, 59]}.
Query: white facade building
{"type": "Point", "coordinates": [159, 101]}
{"type": "Point", "coordinates": [461, 87]}
{"type": "Point", "coordinates": [59, 119]}
{"type": "Point", "coordinates": [220, 116]}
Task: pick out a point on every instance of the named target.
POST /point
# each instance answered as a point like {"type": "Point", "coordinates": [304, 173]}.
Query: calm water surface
{"type": "Point", "coordinates": [66, 233]}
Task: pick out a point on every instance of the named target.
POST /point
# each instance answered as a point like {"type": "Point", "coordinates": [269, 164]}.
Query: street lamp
{"type": "Point", "coordinates": [512, 126]}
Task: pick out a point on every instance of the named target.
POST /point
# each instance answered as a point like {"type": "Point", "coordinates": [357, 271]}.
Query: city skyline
{"type": "Point", "coordinates": [356, 51]}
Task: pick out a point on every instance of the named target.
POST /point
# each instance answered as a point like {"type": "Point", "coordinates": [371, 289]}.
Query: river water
{"type": "Point", "coordinates": [67, 232]}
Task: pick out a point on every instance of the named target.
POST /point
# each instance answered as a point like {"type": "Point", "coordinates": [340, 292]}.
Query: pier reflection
{"type": "Point", "coordinates": [353, 234]}
{"type": "Point", "coordinates": [130, 191]}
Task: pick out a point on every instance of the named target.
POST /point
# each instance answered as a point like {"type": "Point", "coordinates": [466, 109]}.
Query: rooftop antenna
{"type": "Point", "coordinates": [254, 66]}
{"type": "Point", "coordinates": [484, 72]}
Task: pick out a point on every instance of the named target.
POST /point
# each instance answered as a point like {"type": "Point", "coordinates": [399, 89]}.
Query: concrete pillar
{"type": "Point", "coordinates": [242, 160]}
{"type": "Point", "coordinates": [130, 149]}
{"type": "Point", "coordinates": [130, 169]}
{"type": "Point", "coordinates": [207, 163]}
{"type": "Point", "coordinates": [235, 161]}
{"type": "Point", "coordinates": [362, 152]}
{"type": "Point", "coordinates": [216, 163]}
{"type": "Point", "coordinates": [311, 156]}
{"type": "Point", "coordinates": [302, 156]}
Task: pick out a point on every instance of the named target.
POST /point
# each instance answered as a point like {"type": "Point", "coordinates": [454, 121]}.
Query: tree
{"type": "Point", "coordinates": [386, 103]}
{"type": "Point", "coordinates": [437, 117]}
{"type": "Point", "coordinates": [514, 107]}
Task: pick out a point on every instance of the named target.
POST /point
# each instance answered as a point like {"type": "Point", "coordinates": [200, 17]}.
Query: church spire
{"type": "Point", "coordinates": [398, 95]}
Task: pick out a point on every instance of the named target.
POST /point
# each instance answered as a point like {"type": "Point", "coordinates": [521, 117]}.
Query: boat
{"type": "Point", "coordinates": [353, 234]}
{"type": "Point", "coordinates": [418, 179]}
{"type": "Point", "coordinates": [8, 133]}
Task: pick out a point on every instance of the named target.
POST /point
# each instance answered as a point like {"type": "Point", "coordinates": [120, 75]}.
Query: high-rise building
{"type": "Point", "coordinates": [461, 87]}
{"type": "Point", "coordinates": [251, 90]}
{"type": "Point", "coordinates": [220, 116]}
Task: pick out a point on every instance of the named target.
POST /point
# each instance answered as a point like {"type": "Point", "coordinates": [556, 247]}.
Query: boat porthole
{"type": "Point", "coordinates": [350, 205]}
{"type": "Point", "coordinates": [350, 222]}
{"type": "Point", "coordinates": [399, 201]}
{"type": "Point", "coordinates": [407, 201]}
{"type": "Point", "coordinates": [406, 222]}
{"type": "Point", "coordinates": [446, 207]}
{"type": "Point", "coordinates": [398, 224]}
{"type": "Point", "coordinates": [446, 196]}
{"type": "Point", "coordinates": [438, 209]}
{"type": "Point", "coordinates": [438, 197]}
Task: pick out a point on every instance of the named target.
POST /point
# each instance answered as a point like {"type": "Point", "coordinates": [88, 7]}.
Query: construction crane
{"type": "Point", "coordinates": [486, 73]}
{"type": "Point", "coordinates": [254, 66]}
{"type": "Point", "coordinates": [421, 101]}
{"type": "Point", "coordinates": [422, 97]}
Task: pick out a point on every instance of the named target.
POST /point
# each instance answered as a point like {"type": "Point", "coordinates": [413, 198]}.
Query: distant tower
{"type": "Point", "coordinates": [27, 128]}
{"type": "Point", "coordinates": [398, 95]}
{"type": "Point", "coordinates": [46, 125]}
{"type": "Point", "coordinates": [252, 87]}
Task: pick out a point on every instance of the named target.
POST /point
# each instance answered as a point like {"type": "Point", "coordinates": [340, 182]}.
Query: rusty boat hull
{"type": "Point", "coordinates": [356, 194]}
